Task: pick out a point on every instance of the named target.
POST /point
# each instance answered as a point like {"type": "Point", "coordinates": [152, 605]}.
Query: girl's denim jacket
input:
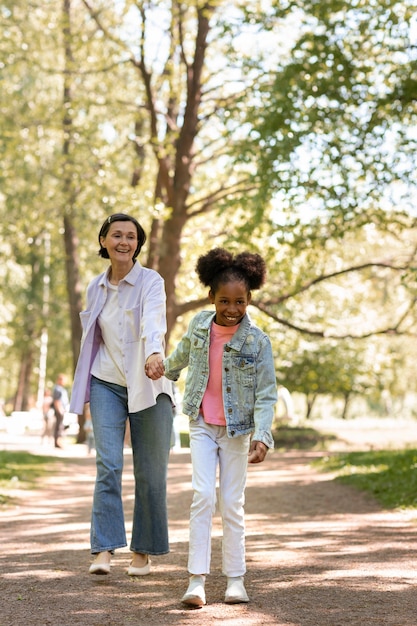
{"type": "Point", "coordinates": [249, 383]}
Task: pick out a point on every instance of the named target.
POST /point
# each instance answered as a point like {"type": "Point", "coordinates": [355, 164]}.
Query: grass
{"type": "Point", "coordinates": [389, 475]}
{"type": "Point", "coordinates": [300, 438]}
{"type": "Point", "coordinates": [20, 469]}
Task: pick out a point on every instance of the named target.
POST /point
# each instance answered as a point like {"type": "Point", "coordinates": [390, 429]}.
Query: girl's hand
{"type": "Point", "coordinates": [154, 366]}
{"type": "Point", "coordinates": [257, 452]}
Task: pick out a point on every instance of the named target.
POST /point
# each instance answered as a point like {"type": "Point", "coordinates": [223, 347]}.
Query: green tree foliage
{"type": "Point", "coordinates": [329, 147]}
{"type": "Point", "coordinates": [285, 128]}
{"type": "Point", "coordinates": [334, 121]}
{"type": "Point", "coordinates": [332, 369]}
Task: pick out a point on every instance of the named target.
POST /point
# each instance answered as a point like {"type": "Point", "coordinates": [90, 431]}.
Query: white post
{"type": "Point", "coordinates": [45, 312]}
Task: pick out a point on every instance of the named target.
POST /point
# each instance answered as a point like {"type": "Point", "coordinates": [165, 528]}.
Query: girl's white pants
{"type": "Point", "coordinates": [211, 447]}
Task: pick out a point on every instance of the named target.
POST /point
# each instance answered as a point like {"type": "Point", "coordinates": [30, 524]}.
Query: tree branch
{"type": "Point", "coordinates": [354, 268]}
{"type": "Point", "coordinates": [185, 307]}
{"type": "Point", "coordinates": [389, 330]}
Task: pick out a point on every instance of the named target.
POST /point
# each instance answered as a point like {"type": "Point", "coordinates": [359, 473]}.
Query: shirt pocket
{"type": "Point", "coordinates": [88, 334]}
{"type": "Point", "coordinates": [244, 370]}
{"type": "Point", "coordinates": [132, 325]}
{"type": "Point", "coordinates": [84, 317]}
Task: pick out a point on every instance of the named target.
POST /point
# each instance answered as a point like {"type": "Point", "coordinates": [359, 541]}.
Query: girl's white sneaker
{"type": "Point", "coordinates": [235, 592]}
{"type": "Point", "coordinates": [195, 594]}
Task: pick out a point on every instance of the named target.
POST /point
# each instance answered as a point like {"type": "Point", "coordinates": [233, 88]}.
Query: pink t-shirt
{"type": "Point", "coordinates": [212, 404]}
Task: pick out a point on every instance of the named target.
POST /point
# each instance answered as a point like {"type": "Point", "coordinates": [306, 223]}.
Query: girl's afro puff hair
{"type": "Point", "coordinates": [219, 266]}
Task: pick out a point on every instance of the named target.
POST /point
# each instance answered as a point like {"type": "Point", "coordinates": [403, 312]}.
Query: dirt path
{"type": "Point", "coordinates": [319, 554]}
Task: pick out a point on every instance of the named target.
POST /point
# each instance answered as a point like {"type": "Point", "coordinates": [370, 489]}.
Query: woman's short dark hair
{"type": "Point", "coordinates": [121, 217]}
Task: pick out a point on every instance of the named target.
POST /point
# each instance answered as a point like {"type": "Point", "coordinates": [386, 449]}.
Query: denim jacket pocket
{"type": "Point", "coordinates": [244, 369]}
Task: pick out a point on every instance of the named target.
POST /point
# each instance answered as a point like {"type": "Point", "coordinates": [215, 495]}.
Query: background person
{"type": "Point", "coordinates": [60, 403]}
{"type": "Point", "coordinates": [48, 416]}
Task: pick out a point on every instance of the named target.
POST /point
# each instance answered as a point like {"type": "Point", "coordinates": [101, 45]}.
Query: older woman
{"type": "Point", "coordinates": [124, 326]}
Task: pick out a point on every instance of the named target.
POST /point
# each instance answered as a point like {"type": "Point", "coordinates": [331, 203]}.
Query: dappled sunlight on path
{"type": "Point", "coordinates": [319, 553]}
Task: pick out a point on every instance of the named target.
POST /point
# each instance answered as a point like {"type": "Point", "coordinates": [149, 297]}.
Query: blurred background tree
{"type": "Point", "coordinates": [284, 128]}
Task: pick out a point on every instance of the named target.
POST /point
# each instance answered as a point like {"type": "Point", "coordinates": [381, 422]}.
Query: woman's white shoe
{"type": "Point", "coordinates": [140, 571]}
{"type": "Point", "coordinates": [101, 564]}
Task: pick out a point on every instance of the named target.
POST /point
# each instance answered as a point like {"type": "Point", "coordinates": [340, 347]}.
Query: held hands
{"type": "Point", "coordinates": [154, 369]}
{"type": "Point", "coordinates": [257, 452]}
{"type": "Point", "coordinates": [154, 366]}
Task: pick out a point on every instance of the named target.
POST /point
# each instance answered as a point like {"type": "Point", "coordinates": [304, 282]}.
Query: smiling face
{"type": "Point", "coordinates": [231, 301]}
{"type": "Point", "coordinates": [121, 242]}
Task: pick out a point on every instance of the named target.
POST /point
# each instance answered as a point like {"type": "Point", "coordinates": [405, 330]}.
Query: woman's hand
{"type": "Point", "coordinates": [154, 366]}
{"type": "Point", "coordinates": [257, 452]}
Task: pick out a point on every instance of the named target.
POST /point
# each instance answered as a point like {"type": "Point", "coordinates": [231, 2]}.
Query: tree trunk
{"type": "Point", "coordinates": [346, 398]}
{"type": "Point", "coordinates": [70, 195]}
{"type": "Point", "coordinates": [310, 403]}
{"type": "Point", "coordinates": [30, 330]}
{"type": "Point", "coordinates": [169, 265]}
{"type": "Point", "coordinates": [23, 395]}
{"type": "Point", "coordinates": [74, 285]}
{"type": "Point", "coordinates": [175, 170]}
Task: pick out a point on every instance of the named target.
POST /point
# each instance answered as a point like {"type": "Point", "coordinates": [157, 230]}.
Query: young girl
{"type": "Point", "coordinates": [230, 393]}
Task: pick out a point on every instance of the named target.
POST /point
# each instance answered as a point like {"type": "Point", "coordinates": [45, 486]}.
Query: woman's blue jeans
{"type": "Point", "coordinates": [151, 439]}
